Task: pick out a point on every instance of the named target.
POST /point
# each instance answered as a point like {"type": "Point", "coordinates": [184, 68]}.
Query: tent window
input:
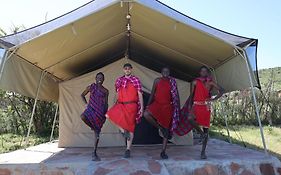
{"type": "Point", "coordinates": [2, 52]}
{"type": "Point", "coordinates": [252, 57]}
{"type": "Point", "coordinates": [251, 53]}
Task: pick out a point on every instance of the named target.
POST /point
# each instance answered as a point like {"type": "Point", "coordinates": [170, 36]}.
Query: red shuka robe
{"type": "Point", "coordinates": [202, 111]}
{"type": "Point", "coordinates": [124, 115]}
{"type": "Point", "coordinates": [161, 108]}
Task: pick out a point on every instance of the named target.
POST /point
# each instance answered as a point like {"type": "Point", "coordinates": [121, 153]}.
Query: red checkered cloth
{"type": "Point", "coordinates": [122, 82]}
{"type": "Point", "coordinates": [184, 126]}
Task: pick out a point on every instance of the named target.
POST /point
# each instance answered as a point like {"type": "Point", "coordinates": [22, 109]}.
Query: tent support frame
{"type": "Point", "coordinates": [225, 120]}
{"type": "Point", "coordinates": [54, 122]}
{"type": "Point", "coordinates": [34, 107]}
{"type": "Point", "coordinates": [223, 111]}
{"type": "Point", "coordinates": [244, 55]}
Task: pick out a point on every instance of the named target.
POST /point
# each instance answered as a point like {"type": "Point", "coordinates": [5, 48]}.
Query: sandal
{"type": "Point", "coordinates": [127, 154]}
{"type": "Point", "coordinates": [163, 155]}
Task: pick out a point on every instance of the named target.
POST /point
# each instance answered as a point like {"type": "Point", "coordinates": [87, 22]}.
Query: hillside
{"type": "Point", "coordinates": [270, 74]}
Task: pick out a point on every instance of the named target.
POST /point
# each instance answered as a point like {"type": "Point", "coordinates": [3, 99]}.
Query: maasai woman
{"type": "Point", "coordinates": [94, 115]}
{"type": "Point", "coordinates": [197, 109]}
{"type": "Point", "coordinates": [129, 106]}
{"type": "Point", "coordinates": [163, 106]}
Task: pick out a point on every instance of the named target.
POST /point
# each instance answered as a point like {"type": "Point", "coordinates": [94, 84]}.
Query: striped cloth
{"type": "Point", "coordinates": [175, 102]}
{"type": "Point", "coordinates": [96, 108]}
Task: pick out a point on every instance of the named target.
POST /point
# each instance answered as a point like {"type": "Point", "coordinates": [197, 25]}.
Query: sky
{"type": "Point", "coordinates": [259, 19]}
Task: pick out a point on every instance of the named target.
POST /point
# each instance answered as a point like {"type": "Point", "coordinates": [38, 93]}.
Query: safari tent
{"type": "Point", "coordinates": [56, 60]}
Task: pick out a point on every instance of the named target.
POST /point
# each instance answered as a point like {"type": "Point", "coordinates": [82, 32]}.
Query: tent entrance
{"type": "Point", "coordinates": [145, 133]}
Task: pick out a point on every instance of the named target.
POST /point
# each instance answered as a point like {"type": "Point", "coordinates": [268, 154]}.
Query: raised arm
{"type": "Point", "coordinates": [150, 100]}
{"type": "Point", "coordinates": [219, 89]}
{"type": "Point", "coordinates": [84, 93]}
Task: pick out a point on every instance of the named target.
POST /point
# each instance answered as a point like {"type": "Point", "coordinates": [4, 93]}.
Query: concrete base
{"type": "Point", "coordinates": [223, 158]}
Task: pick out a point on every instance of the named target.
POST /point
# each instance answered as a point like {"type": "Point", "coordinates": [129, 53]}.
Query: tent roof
{"type": "Point", "coordinates": [91, 36]}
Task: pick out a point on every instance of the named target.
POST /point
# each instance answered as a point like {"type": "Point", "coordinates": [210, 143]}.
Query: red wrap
{"type": "Point", "coordinates": [124, 113]}
{"type": "Point", "coordinates": [201, 109]}
{"type": "Point", "coordinates": [161, 108]}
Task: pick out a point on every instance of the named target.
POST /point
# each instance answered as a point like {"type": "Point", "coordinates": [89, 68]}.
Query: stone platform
{"type": "Point", "coordinates": [223, 158]}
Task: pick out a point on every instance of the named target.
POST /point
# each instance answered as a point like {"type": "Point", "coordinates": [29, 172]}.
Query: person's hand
{"type": "Point", "coordinates": [141, 111]}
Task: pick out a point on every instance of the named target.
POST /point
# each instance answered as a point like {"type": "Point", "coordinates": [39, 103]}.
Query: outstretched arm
{"type": "Point", "coordinates": [219, 89]}
{"type": "Point", "coordinates": [150, 100]}
{"type": "Point", "coordinates": [84, 93]}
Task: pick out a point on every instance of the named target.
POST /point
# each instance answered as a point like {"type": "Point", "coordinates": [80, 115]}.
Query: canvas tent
{"type": "Point", "coordinates": [54, 61]}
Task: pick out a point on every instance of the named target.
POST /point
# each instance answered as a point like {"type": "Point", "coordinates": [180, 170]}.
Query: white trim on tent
{"type": "Point", "coordinates": [97, 5]}
{"type": "Point", "coordinates": [179, 17]}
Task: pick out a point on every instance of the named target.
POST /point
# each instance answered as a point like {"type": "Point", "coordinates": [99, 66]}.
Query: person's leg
{"type": "Point", "coordinates": [129, 145]}
{"type": "Point", "coordinates": [192, 121]}
{"type": "Point", "coordinates": [83, 118]}
{"type": "Point", "coordinates": [153, 122]}
{"type": "Point", "coordinates": [204, 145]}
{"type": "Point", "coordinates": [150, 119]}
{"type": "Point", "coordinates": [95, 155]}
{"type": "Point", "coordinates": [121, 129]}
{"type": "Point", "coordinates": [163, 154]}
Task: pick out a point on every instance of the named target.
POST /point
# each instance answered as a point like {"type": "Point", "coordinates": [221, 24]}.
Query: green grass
{"type": "Point", "coordinates": [249, 136]}
{"type": "Point", "coordinates": [11, 142]}
{"type": "Point", "coordinates": [266, 75]}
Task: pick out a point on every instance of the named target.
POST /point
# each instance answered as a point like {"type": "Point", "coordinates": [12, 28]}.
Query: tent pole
{"type": "Point", "coordinates": [34, 107]}
{"type": "Point", "coordinates": [223, 111]}
{"type": "Point", "coordinates": [54, 122]}
{"type": "Point", "coordinates": [225, 120]}
{"type": "Point", "coordinates": [254, 100]}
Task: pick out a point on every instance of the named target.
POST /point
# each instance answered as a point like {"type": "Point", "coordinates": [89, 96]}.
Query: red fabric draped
{"type": "Point", "coordinates": [202, 111]}
{"type": "Point", "coordinates": [124, 115]}
{"type": "Point", "coordinates": [161, 108]}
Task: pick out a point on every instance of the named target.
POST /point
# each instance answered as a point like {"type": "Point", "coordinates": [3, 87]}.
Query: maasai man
{"type": "Point", "coordinates": [163, 106]}
{"type": "Point", "coordinates": [129, 106]}
{"type": "Point", "coordinates": [94, 115]}
{"type": "Point", "coordinates": [199, 104]}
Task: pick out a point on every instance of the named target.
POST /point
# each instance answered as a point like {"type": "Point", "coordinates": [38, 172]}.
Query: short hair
{"type": "Point", "coordinates": [166, 67]}
{"type": "Point", "coordinates": [205, 67]}
{"type": "Point", "coordinates": [99, 73]}
{"type": "Point", "coordinates": [128, 65]}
